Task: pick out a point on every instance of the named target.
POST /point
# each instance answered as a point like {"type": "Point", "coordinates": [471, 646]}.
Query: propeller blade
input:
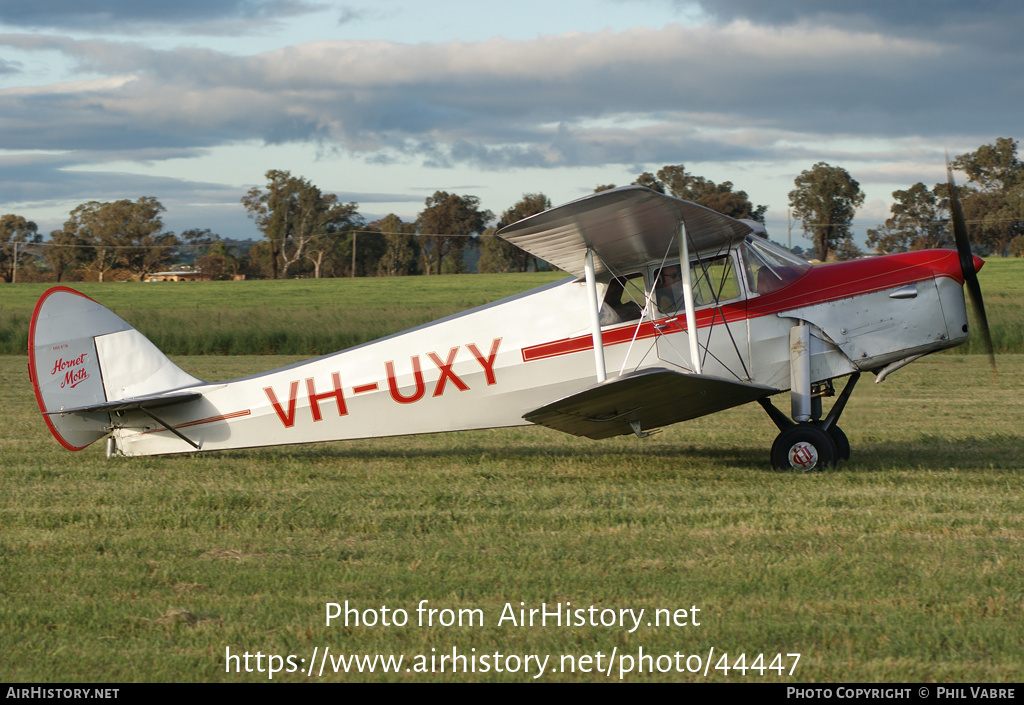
{"type": "Point", "coordinates": [963, 248]}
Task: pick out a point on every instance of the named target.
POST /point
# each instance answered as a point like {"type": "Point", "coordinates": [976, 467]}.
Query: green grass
{"type": "Point", "coordinates": [903, 565]}
{"type": "Point", "coordinates": [289, 317]}
{"type": "Point", "coordinates": [1002, 285]}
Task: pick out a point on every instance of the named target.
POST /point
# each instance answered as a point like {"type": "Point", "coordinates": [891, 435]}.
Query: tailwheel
{"type": "Point", "coordinates": [805, 447]}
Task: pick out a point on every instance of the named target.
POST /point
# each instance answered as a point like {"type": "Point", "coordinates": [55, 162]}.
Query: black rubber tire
{"type": "Point", "coordinates": [841, 441]}
{"type": "Point", "coordinates": [803, 448]}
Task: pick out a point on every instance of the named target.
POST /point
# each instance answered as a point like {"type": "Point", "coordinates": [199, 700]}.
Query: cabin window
{"type": "Point", "coordinates": [713, 280]}
{"type": "Point", "coordinates": [623, 300]}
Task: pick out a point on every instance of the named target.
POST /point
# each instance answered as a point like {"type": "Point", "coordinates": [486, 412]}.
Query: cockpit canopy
{"type": "Point", "coordinates": [656, 289]}
{"type": "Point", "coordinates": [768, 266]}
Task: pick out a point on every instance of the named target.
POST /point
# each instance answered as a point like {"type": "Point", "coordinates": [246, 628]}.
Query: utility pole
{"type": "Point", "coordinates": [354, 234]}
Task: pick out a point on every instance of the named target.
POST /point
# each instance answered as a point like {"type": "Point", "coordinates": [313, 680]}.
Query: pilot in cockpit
{"type": "Point", "coordinates": [668, 290]}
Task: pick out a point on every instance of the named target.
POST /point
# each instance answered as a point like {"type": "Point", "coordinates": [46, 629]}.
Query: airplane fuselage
{"type": "Point", "coordinates": [490, 366]}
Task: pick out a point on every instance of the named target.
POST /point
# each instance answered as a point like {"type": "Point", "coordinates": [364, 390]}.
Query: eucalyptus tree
{"type": "Point", "coordinates": [298, 220]}
{"type": "Point", "coordinates": [401, 252]}
{"type": "Point", "coordinates": [825, 200]}
{"type": "Point", "coordinates": [445, 226]}
{"type": "Point", "coordinates": [63, 252]}
{"type": "Point", "coordinates": [993, 200]}
{"type": "Point", "coordinates": [920, 220]}
{"type": "Point", "coordinates": [123, 233]}
{"type": "Point", "coordinates": [497, 255]}
{"type": "Point", "coordinates": [15, 233]}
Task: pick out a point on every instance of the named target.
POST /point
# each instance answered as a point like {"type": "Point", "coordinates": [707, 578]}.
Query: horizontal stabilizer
{"type": "Point", "coordinates": [151, 402]}
{"type": "Point", "coordinates": [644, 400]}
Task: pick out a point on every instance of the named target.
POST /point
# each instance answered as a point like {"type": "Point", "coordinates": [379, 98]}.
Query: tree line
{"type": "Point", "coordinates": [310, 233]}
{"type": "Point", "coordinates": [992, 200]}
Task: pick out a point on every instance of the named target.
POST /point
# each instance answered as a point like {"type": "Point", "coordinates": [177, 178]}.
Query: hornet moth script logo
{"type": "Point", "coordinates": [73, 369]}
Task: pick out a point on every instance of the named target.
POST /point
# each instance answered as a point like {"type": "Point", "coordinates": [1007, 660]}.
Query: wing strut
{"type": "Point", "coordinates": [595, 316]}
{"type": "Point", "coordinates": [169, 427]}
{"type": "Point", "coordinates": [691, 318]}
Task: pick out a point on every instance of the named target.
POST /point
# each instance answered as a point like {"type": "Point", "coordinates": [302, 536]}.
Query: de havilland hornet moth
{"type": "Point", "coordinates": [673, 311]}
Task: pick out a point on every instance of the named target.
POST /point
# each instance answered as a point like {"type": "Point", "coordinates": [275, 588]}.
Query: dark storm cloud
{"type": "Point", "coordinates": [892, 16]}
{"type": "Point", "coordinates": [116, 16]}
{"type": "Point", "coordinates": [985, 24]}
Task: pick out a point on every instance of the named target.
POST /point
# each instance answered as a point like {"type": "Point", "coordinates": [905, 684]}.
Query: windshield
{"type": "Point", "coordinates": [769, 266]}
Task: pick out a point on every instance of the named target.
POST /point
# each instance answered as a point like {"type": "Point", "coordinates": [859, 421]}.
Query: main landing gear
{"type": "Point", "coordinates": [814, 444]}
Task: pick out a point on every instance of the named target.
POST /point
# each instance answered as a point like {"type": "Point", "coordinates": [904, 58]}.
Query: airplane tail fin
{"type": "Point", "coordinates": [86, 362]}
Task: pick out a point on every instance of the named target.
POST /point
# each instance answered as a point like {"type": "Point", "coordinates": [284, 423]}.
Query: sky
{"type": "Point", "coordinates": [386, 102]}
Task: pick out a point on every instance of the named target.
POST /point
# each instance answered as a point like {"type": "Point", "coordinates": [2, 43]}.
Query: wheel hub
{"type": "Point", "coordinates": [803, 456]}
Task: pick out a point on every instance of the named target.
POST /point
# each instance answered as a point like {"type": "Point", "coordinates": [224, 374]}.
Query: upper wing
{"type": "Point", "coordinates": [626, 227]}
{"type": "Point", "coordinates": [644, 400]}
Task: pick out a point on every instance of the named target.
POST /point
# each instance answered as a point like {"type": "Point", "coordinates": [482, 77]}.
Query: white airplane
{"type": "Point", "coordinates": [673, 311]}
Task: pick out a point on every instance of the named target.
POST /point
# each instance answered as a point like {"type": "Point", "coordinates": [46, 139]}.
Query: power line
{"type": "Point", "coordinates": [183, 246]}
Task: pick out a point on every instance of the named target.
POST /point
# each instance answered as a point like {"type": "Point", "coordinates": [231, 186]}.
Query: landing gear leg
{"type": "Point", "coordinates": [813, 444]}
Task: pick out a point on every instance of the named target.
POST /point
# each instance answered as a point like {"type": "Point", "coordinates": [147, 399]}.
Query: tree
{"type": "Point", "coordinates": [705, 192]}
{"type": "Point", "coordinates": [262, 260]}
{"type": "Point", "coordinates": [122, 233]}
{"type": "Point", "coordinates": [674, 180]}
{"type": "Point", "coordinates": [99, 252]}
{"type": "Point", "coordinates": [400, 249]}
{"type": "Point", "coordinates": [334, 240]}
{"type": "Point", "coordinates": [444, 226]}
{"type": "Point", "coordinates": [993, 167]}
{"type": "Point", "coordinates": [219, 261]}
{"type": "Point", "coordinates": [920, 220]}
{"type": "Point", "coordinates": [63, 251]}
{"type": "Point", "coordinates": [145, 245]}
{"type": "Point", "coordinates": [994, 203]}
{"type": "Point", "coordinates": [15, 233]}
{"type": "Point", "coordinates": [825, 199]}
{"type": "Point", "coordinates": [649, 180]}
{"type": "Point", "coordinates": [293, 214]}
{"type": "Point", "coordinates": [498, 255]}
{"type": "Point", "coordinates": [198, 242]}
{"type": "Point", "coordinates": [494, 255]}
{"type": "Point", "coordinates": [271, 211]}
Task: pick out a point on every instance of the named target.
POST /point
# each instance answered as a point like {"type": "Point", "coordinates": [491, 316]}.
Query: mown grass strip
{"type": "Point", "coordinates": [903, 565]}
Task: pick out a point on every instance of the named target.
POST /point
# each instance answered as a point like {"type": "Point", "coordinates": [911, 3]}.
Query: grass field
{"type": "Point", "coordinates": [289, 317]}
{"type": "Point", "coordinates": [901, 565]}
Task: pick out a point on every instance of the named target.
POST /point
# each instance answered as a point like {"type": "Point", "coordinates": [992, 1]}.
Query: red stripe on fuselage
{"type": "Point", "coordinates": [821, 284]}
{"type": "Point", "coordinates": [843, 280]}
{"type": "Point", "coordinates": [209, 419]}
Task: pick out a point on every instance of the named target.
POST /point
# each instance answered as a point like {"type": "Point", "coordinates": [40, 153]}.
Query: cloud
{"type": "Point", "coordinates": [747, 89]}
{"type": "Point", "coordinates": [130, 16]}
{"type": "Point", "coordinates": [884, 15]}
{"type": "Point", "coordinates": [518, 102]}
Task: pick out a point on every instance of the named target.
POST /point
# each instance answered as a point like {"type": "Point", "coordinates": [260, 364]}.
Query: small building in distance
{"type": "Point", "coordinates": [185, 275]}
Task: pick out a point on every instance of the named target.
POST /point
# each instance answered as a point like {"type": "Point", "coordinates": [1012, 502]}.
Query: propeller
{"type": "Point", "coordinates": [970, 272]}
